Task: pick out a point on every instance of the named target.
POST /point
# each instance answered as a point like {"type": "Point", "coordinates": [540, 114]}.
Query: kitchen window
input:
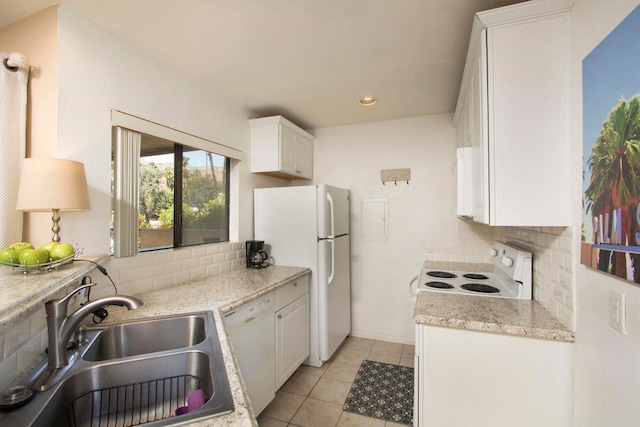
{"type": "Point", "coordinates": [169, 189]}
{"type": "Point", "coordinates": [183, 195]}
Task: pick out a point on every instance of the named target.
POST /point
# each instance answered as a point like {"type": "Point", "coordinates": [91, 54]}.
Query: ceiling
{"type": "Point", "coordinates": [308, 60]}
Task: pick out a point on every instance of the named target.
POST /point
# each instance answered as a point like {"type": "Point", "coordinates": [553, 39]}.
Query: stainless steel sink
{"type": "Point", "coordinates": [146, 336]}
{"type": "Point", "coordinates": [131, 383]}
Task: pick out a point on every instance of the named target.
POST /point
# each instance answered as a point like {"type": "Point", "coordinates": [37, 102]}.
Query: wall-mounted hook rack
{"type": "Point", "coordinates": [395, 175]}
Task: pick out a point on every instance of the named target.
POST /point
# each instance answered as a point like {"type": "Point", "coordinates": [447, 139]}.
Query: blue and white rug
{"type": "Point", "coordinates": [383, 391]}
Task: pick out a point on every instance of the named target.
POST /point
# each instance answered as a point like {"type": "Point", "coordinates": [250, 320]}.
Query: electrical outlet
{"type": "Point", "coordinates": [617, 312]}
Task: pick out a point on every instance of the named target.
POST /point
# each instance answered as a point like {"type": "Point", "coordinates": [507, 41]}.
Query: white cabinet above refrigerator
{"type": "Point", "coordinates": [280, 148]}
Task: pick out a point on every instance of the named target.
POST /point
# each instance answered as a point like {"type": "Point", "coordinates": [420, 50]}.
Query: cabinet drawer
{"type": "Point", "coordinates": [290, 292]}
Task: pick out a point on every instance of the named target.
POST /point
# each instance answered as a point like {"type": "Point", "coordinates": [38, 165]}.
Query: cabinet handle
{"type": "Point", "coordinates": [279, 316]}
{"type": "Point", "coordinates": [295, 283]}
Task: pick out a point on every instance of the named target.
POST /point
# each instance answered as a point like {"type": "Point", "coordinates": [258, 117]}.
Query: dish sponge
{"type": "Point", "coordinates": [194, 401]}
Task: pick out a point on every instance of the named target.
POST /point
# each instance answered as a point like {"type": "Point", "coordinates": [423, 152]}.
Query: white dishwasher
{"type": "Point", "coordinates": [252, 333]}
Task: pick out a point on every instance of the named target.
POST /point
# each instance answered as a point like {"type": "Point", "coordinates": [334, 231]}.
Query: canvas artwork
{"type": "Point", "coordinates": [611, 153]}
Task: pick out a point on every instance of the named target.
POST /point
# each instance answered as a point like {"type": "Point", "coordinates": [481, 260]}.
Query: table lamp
{"type": "Point", "coordinates": [52, 185]}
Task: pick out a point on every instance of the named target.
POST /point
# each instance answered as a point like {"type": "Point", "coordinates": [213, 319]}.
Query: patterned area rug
{"type": "Point", "coordinates": [383, 391]}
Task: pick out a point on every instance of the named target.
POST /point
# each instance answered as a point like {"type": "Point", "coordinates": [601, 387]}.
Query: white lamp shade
{"type": "Point", "coordinates": [47, 184]}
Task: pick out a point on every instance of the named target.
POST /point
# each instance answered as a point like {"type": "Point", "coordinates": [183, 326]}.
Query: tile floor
{"type": "Point", "coordinates": [313, 397]}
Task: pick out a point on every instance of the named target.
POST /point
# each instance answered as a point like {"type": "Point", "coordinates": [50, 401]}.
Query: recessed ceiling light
{"type": "Point", "coordinates": [368, 100]}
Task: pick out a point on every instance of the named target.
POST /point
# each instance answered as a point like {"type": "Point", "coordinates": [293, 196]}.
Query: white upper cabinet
{"type": "Point", "coordinates": [513, 110]}
{"type": "Point", "coordinates": [280, 148]}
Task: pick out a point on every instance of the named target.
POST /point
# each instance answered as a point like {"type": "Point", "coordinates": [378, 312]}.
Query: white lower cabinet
{"type": "Point", "coordinates": [292, 328]}
{"type": "Point", "coordinates": [470, 378]}
{"type": "Point", "coordinates": [270, 339]}
{"type": "Point", "coordinates": [292, 338]}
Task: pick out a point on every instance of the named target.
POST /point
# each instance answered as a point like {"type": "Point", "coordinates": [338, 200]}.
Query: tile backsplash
{"type": "Point", "coordinates": [553, 256]}
{"type": "Point", "coordinates": [155, 270]}
{"type": "Point", "coordinates": [552, 249]}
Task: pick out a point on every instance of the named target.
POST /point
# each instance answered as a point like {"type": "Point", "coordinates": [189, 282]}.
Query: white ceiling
{"type": "Point", "coordinates": [308, 60]}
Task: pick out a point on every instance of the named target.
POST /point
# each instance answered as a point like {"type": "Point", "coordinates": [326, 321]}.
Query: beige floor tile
{"type": "Point", "coordinates": [332, 391]}
{"type": "Point", "coordinates": [348, 419]}
{"type": "Point", "coordinates": [384, 358]}
{"type": "Point", "coordinates": [355, 343]}
{"type": "Point", "coordinates": [312, 370]}
{"type": "Point", "coordinates": [284, 406]}
{"type": "Point", "coordinates": [342, 371]}
{"type": "Point", "coordinates": [317, 413]}
{"type": "Point", "coordinates": [408, 350]}
{"type": "Point", "coordinates": [270, 422]}
{"type": "Point", "coordinates": [300, 383]}
{"type": "Point", "coordinates": [353, 356]}
{"type": "Point", "coordinates": [387, 348]}
{"type": "Point", "coordinates": [407, 361]}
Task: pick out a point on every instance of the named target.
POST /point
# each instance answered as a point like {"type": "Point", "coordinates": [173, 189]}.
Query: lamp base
{"type": "Point", "coordinates": [56, 227]}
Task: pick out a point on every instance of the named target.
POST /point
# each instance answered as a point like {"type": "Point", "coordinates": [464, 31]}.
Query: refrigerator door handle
{"type": "Point", "coordinates": [332, 230]}
{"type": "Point", "coordinates": [333, 261]}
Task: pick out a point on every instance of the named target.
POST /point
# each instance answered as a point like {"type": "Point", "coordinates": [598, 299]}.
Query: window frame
{"type": "Point", "coordinates": [120, 120]}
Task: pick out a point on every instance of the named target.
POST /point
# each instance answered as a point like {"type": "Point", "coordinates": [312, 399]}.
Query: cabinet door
{"type": "Point", "coordinates": [288, 150]}
{"type": "Point", "coordinates": [479, 135]}
{"type": "Point", "coordinates": [253, 346]}
{"type": "Point", "coordinates": [305, 157]}
{"type": "Point", "coordinates": [292, 338]}
{"type": "Point", "coordinates": [529, 121]}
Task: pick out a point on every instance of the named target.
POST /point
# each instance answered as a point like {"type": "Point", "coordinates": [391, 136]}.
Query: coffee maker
{"type": "Point", "coordinates": [256, 256]}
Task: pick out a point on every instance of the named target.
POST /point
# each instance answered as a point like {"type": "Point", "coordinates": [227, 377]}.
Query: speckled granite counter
{"type": "Point", "coordinates": [499, 315]}
{"type": "Point", "coordinates": [218, 293]}
{"type": "Point", "coordinates": [21, 294]}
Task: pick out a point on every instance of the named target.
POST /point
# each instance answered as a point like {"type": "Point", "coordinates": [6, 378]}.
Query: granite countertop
{"type": "Point", "coordinates": [525, 318]}
{"type": "Point", "coordinates": [219, 294]}
{"type": "Point", "coordinates": [21, 294]}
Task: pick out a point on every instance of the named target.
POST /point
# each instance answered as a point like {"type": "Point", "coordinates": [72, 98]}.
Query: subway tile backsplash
{"type": "Point", "coordinates": [155, 270]}
{"type": "Point", "coordinates": [553, 257]}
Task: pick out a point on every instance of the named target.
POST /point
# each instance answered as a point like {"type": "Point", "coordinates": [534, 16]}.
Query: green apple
{"type": "Point", "coordinates": [9, 256]}
{"type": "Point", "coordinates": [33, 258]}
{"type": "Point", "coordinates": [48, 246]}
{"type": "Point", "coordinates": [61, 251]}
{"type": "Point", "coordinates": [21, 245]}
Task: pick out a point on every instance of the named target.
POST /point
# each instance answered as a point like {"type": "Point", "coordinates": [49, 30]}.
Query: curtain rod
{"type": "Point", "coordinates": [17, 60]}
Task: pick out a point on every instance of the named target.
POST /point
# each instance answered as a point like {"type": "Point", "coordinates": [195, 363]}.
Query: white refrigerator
{"type": "Point", "coordinates": [309, 227]}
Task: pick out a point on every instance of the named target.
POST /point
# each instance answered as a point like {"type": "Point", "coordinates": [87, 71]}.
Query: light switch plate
{"type": "Point", "coordinates": [617, 312]}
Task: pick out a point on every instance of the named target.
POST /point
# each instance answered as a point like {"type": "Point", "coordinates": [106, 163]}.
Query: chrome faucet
{"type": "Point", "coordinates": [61, 326]}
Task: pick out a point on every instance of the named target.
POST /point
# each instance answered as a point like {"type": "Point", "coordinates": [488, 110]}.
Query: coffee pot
{"type": "Point", "coordinates": [256, 255]}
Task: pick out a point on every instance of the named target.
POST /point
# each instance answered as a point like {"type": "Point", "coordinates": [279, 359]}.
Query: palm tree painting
{"type": "Point", "coordinates": [611, 131]}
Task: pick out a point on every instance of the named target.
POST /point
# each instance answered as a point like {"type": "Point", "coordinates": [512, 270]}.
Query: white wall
{"type": "Point", "coordinates": [37, 38]}
{"type": "Point", "coordinates": [97, 73]}
{"type": "Point", "coordinates": [421, 214]}
{"type": "Point", "coordinates": [607, 363]}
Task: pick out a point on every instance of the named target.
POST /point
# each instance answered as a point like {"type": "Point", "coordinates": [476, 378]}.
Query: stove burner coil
{"type": "Point", "coordinates": [475, 276]}
{"type": "Point", "coordinates": [479, 287]}
{"type": "Point", "coordinates": [439, 285]}
{"type": "Point", "coordinates": [441, 274]}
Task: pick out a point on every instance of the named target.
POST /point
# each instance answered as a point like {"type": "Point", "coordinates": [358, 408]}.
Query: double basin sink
{"type": "Point", "coordinates": [131, 373]}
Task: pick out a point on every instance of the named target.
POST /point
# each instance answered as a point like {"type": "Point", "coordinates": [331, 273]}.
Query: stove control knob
{"type": "Point", "coordinates": [493, 252]}
{"type": "Point", "coordinates": [507, 262]}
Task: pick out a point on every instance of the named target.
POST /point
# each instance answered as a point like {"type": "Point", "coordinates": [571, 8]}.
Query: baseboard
{"type": "Point", "coordinates": [383, 337]}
